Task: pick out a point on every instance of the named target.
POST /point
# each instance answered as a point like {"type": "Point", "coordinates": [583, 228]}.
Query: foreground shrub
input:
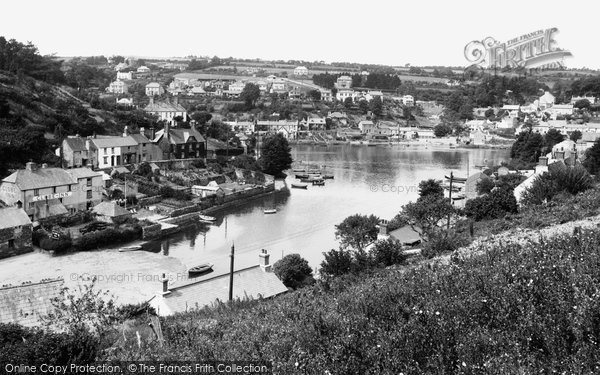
{"type": "Point", "coordinates": [442, 242]}
{"type": "Point", "coordinates": [388, 252]}
{"type": "Point", "coordinates": [560, 179]}
{"type": "Point", "coordinates": [293, 271]}
{"type": "Point", "coordinates": [491, 206]}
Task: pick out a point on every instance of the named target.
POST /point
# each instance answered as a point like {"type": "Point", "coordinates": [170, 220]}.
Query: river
{"type": "Point", "coordinates": [368, 180]}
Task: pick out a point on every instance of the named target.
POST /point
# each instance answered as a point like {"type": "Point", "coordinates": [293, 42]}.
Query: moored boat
{"type": "Point", "coordinates": [301, 175]}
{"type": "Point", "coordinates": [318, 182]}
{"type": "Point", "coordinates": [270, 211]}
{"type": "Point", "coordinates": [200, 269]}
{"type": "Point", "coordinates": [130, 248]}
{"type": "Point", "coordinates": [299, 186]}
{"type": "Point", "coordinates": [207, 218]}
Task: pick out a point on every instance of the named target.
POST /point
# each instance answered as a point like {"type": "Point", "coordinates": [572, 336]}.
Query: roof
{"type": "Point", "coordinates": [26, 303]}
{"type": "Point", "coordinates": [180, 136]}
{"type": "Point", "coordinates": [11, 217]}
{"type": "Point", "coordinates": [153, 84]}
{"type": "Point", "coordinates": [252, 282]}
{"type": "Point", "coordinates": [139, 138]}
{"type": "Point", "coordinates": [589, 137]}
{"type": "Point", "coordinates": [75, 143]}
{"type": "Point", "coordinates": [83, 172]}
{"type": "Point", "coordinates": [49, 208]}
{"type": "Point", "coordinates": [407, 235]}
{"type": "Point", "coordinates": [215, 144]}
{"type": "Point", "coordinates": [110, 209]}
{"type": "Point", "coordinates": [40, 178]}
{"type": "Point", "coordinates": [114, 141]}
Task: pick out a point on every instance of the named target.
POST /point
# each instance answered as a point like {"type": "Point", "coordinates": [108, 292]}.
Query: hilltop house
{"type": "Point", "coordinates": [167, 111]}
{"type": "Point", "coordinates": [44, 192]}
{"type": "Point", "coordinates": [125, 75]}
{"type": "Point", "coordinates": [343, 82]}
{"type": "Point", "coordinates": [546, 101]}
{"type": "Point", "coordinates": [254, 282]}
{"type": "Point", "coordinates": [301, 71]}
{"type": "Point", "coordinates": [289, 129]}
{"type": "Point", "coordinates": [117, 87]}
{"type": "Point", "coordinates": [154, 88]}
{"type": "Point", "coordinates": [143, 69]}
{"type": "Point", "coordinates": [121, 66]}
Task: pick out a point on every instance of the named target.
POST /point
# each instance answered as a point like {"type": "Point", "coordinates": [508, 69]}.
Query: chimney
{"type": "Point", "coordinates": [165, 285]}
{"type": "Point", "coordinates": [31, 166]}
{"type": "Point", "coordinates": [263, 260]}
{"type": "Point", "coordinates": [176, 100]}
{"type": "Point", "coordinates": [167, 127]}
{"type": "Point", "coordinates": [143, 131]}
{"type": "Point", "coordinates": [19, 204]}
{"type": "Point", "coordinates": [44, 165]}
{"type": "Point", "coordinates": [125, 131]}
{"type": "Point", "coordinates": [152, 99]}
{"type": "Point", "coordinates": [152, 133]}
{"type": "Point", "coordinates": [543, 161]}
{"type": "Point", "coordinates": [383, 228]}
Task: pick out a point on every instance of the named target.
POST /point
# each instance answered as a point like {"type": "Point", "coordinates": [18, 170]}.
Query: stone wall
{"type": "Point", "coordinates": [183, 219]}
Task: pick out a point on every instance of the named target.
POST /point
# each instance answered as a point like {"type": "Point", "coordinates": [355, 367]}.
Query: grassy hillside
{"type": "Point", "coordinates": [515, 309]}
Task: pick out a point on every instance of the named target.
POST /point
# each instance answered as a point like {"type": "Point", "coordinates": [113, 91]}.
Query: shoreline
{"type": "Point", "coordinates": [426, 144]}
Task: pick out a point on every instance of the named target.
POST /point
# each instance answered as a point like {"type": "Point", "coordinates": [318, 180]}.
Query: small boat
{"type": "Point", "coordinates": [327, 176]}
{"type": "Point", "coordinates": [299, 170]}
{"type": "Point", "coordinates": [318, 182]}
{"type": "Point", "coordinates": [299, 186]}
{"type": "Point", "coordinates": [130, 248]}
{"type": "Point", "coordinates": [306, 179]}
{"type": "Point", "coordinates": [301, 175]}
{"type": "Point", "coordinates": [200, 269]}
{"type": "Point", "coordinates": [270, 211]}
{"type": "Point", "coordinates": [207, 218]}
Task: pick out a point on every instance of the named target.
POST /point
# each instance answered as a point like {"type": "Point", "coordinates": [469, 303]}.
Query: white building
{"type": "Point", "coordinates": [560, 110]}
{"type": "Point", "coordinates": [342, 94]}
{"type": "Point", "coordinates": [408, 100]}
{"type": "Point", "coordinates": [546, 100]}
{"type": "Point", "coordinates": [590, 99]}
{"type": "Point", "coordinates": [117, 87]}
{"type": "Point", "coordinates": [236, 88]}
{"type": "Point", "coordinates": [125, 75]}
{"type": "Point", "coordinates": [166, 111]}
{"type": "Point", "coordinates": [154, 88]}
{"type": "Point", "coordinates": [143, 69]}
{"type": "Point", "coordinates": [301, 71]}
{"type": "Point", "coordinates": [344, 82]}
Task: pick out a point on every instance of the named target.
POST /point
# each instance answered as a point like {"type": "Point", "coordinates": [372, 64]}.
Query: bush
{"type": "Point", "coordinates": [388, 252]}
{"type": "Point", "coordinates": [293, 271]}
{"type": "Point", "coordinates": [336, 263]}
{"type": "Point", "coordinates": [494, 205]}
{"type": "Point", "coordinates": [442, 243]}
{"type": "Point", "coordinates": [198, 163]}
{"type": "Point", "coordinates": [106, 237]}
{"type": "Point", "coordinates": [58, 245]}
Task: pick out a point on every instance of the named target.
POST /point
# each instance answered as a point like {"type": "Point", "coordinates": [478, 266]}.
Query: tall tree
{"type": "Point", "coordinates": [250, 94]}
{"type": "Point", "coordinates": [275, 154]}
{"type": "Point", "coordinates": [357, 231]}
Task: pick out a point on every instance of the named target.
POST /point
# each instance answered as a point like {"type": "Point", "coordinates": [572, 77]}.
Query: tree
{"type": "Point", "coordinates": [201, 117]}
{"type": "Point", "coordinates": [489, 113]}
{"type": "Point", "coordinates": [118, 59]}
{"type": "Point", "coordinates": [442, 130]}
{"type": "Point", "coordinates": [582, 104]}
{"type": "Point", "coordinates": [336, 263]}
{"type": "Point", "coordinates": [388, 252]}
{"type": "Point", "coordinates": [275, 155]}
{"type": "Point", "coordinates": [293, 271]}
{"type": "Point", "coordinates": [357, 231]}
{"type": "Point", "coordinates": [250, 94]}
{"type": "Point", "coordinates": [314, 95]}
{"type": "Point", "coordinates": [376, 106]}
{"type": "Point", "coordinates": [430, 187]}
{"type": "Point", "coordinates": [575, 136]}
{"type": "Point", "coordinates": [363, 106]}
{"type": "Point", "coordinates": [592, 158]}
{"type": "Point", "coordinates": [484, 186]}
{"type": "Point", "coordinates": [494, 205]}
{"type": "Point", "coordinates": [427, 212]}
{"type": "Point", "coordinates": [245, 162]}
{"type": "Point", "coordinates": [527, 147]}
{"type": "Point", "coordinates": [348, 103]}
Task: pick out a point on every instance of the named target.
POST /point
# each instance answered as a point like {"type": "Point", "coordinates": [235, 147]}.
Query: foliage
{"type": "Point", "coordinates": [357, 231]}
{"type": "Point", "coordinates": [387, 252]}
{"type": "Point", "coordinates": [376, 106]}
{"type": "Point", "coordinates": [509, 181]}
{"type": "Point", "coordinates": [560, 179]}
{"type": "Point", "coordinates": [17, 57]}
{"type": "Point", "coordinates": [336, 263]}
{"type": "Point", "coordinates": [106, 237]}
{"type": "Point", "coordinates": [484, 186]}
{"type": "Point", "coordinates": [592, 158]}
{"type": "Point", "coordinates": [441, 243]}
{"type": "Point", "coordinates": [431, 187]}
{"type": "Point", "coordinates": [551, 138]}
{"type": "Point", "coordinates": [250, 94]}
{"type": "Point", "coordinates": [275, 155]}
{"type": "Point", "coordinates": [442, 130]}
{"type": "Point", "coordinates": [244, 161]}
{"type": "Point", "coordinates": [58, 245]}
{"type": "Point", "coordinates": [293, 271]}
{"type": "Point", "coordinates": [575, 135]}
{"type": "Point", "coordinates": [493, 205]}
{"type": "Point", "coordinates": [428, 211]}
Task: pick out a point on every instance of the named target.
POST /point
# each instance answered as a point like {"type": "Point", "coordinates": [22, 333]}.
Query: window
{"type": "Point", "coordinates": [105, 151]}
{"type": "Point", "coordinates": [89, 182]}
{"type": "Point", "coordinates": [31, 204]}
{"type": "Point", "coordinates": [69, 188]}
{"type": "Point", "coordinates": [89, 194]}
{"type": "Point", "coordinates": [112, 150]}
{"type": "Point", "coordinates": [54, 190]}
{"type": "Point", "coordinates": [106, 160]}
{"type": "Point", "coordinates": [36, 191]}
{"type": "Point", "coordinates": [11, 244]}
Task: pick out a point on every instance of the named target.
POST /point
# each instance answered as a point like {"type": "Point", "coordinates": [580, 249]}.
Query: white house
{"type": "Point", "coordinates": [121, 66]}
{"type": "Point", "coordinates": [301, 71]}
{"type": "Point", "coordinates": [154, 88]}
{"type": "Point", "coordinates": [590, 99]}
{"type": "Point", "coordinates": [279, 85]}
{"type": "Point", "coordinates": [117, 87]}
{"type": "Point", "coordinates": [143, 69]}
{"type": "Point", "coordinates": [560, 110]}
{"type": "Point", "coordinates": [408, 100]}
{"type": "Point", "coordinates": [236, 88]}
{"type": "Point", "coordinates": [166, 111]}
{"type": "Point", "coordinates": [342, 94]}
{"type": "Point", "coordinates": [546, 100]}
{"type": "Point", "coordinates": [125, 75]}
{"type": "Point", "coordinates": [344, 82]}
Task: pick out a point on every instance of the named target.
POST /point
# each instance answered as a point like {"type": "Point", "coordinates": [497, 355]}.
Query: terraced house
{"type": "Point", "coordinates": [180, 143]}
{"type": "Point", "coordinates": [45, 192]}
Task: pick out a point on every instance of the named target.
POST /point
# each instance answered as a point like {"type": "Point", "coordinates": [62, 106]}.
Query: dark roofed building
{"type": "Point", "coordinates": [180, 143]}
{"type": "Point", "coordinates": [75, 152]}
{"type": "Point", "coordinates": [25, 304]}
{"type": "Point", "coordinates": [253, 282]}
{"type": "Point", "coordinates": [110, 212]}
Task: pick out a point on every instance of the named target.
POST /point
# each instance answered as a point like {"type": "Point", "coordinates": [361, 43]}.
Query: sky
{"type": "Point", "coordinates": [377, 32]}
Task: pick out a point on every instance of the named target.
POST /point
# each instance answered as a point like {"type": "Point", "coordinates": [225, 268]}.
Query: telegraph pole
{"type": "Point", "coordinates": [231, 273]}
{"type": "Point", "coordinates": [450, 196]}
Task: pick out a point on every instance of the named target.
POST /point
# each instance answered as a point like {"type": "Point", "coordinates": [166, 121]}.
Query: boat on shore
{"type": "Point", "coordinates": [301, 175]}
{"type": "Point", "coordinates": [320, 182]}
{"type": "Point", "coordinates": [299, 186]}
{"type": "Point", "coordinates": [200, 269]}
{"type": "Point", "coordinates": [209, 219]}
{"type": "Point", "coordinates": [270, 211]}
{"type": "Point", "coordinates": [130, 248]}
